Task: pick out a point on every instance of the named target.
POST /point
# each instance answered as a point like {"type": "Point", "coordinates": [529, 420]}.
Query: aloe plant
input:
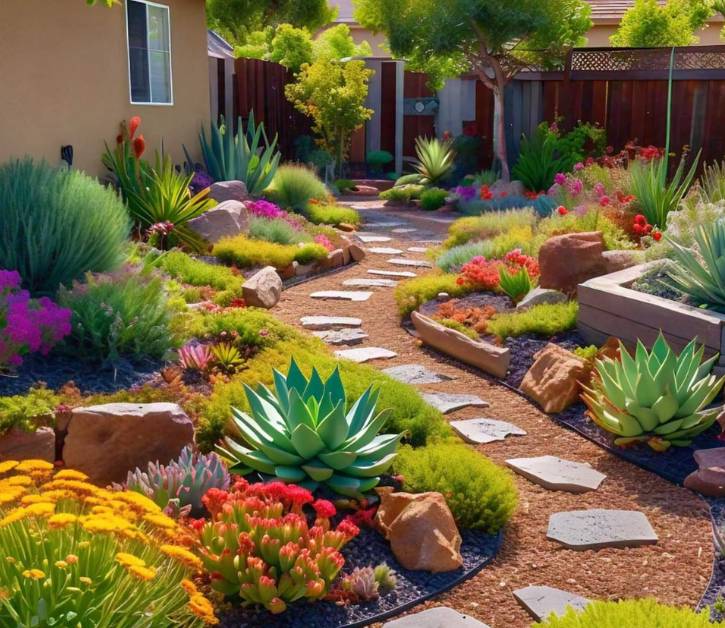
{"type": "Point", "coordinates": [655, 396]}
{"type": "Point", "coordinates": [435, 160]}
{"type": "Point", "coordinates": [301, 434]}
{"type": "Point", "coordinates": [247, 156]}
{"type": "Point", "coordinates": [516, 284]}
{"type": "Point", "coordinates": [700, 272]}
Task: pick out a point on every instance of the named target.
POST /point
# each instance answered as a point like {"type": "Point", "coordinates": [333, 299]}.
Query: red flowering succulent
{"type": "Point", "coordinates": [480, 273]}
{"type": "Point", "coordinates": [259, 544]}
{"type": "Point", "coordinates": [640, 226]}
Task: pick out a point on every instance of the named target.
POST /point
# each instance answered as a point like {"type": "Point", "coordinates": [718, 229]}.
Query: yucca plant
{"type": "Point", "coordinates": [712, 183]}
{"type": "Point", "coordinates": [301, 434]}
{"type": "Point", "coordinates": [655, 397]}
{"type": "Point", "coordinates": [516, 284]}
{"type": "Point", "coordinates": [435, 160]}
{"type": "Point", "coordinates": [247, 156]}
{"type": "Point", "coordinates": [700, 272]}
{"type": "Point", "coordinates": [656, 196]}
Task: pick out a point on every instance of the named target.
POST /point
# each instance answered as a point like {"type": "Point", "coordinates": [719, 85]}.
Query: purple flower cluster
{"type": "Point", "coordinates": [200, 182]}
{"type": "Point", "coordinates": [265, 209]}
{"type": "Point", "coordinates": [574, 186]}
{"type": "Point", "coordinates": [466, 192]}
{"type": "Point", "coordinates": [27, 325]}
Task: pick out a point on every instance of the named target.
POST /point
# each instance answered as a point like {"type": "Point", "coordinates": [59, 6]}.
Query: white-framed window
{"type": "Point", "coordinates": [148, 30]}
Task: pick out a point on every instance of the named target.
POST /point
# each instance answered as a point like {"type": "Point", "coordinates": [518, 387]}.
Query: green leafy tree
{"type": "Point", "coordinates": [291, 47]}
{"type": "Point", "coordinates": [491, 38]}
{"type": "Point", "coordinates": [333, 94]}
{"type": "Point", "coordinates": [337, 43]}
{"type": "Point", "coordinates": [719, 6]}
{"type": "Point", "coordinates": [648, 24]}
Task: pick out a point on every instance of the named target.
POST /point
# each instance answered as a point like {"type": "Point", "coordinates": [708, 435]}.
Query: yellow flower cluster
{"type": "Point", "coordinates": [198, 604]}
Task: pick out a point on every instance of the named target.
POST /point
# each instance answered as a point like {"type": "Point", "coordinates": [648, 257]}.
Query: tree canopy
{"type": "Point", "coordinates": [648, 24]}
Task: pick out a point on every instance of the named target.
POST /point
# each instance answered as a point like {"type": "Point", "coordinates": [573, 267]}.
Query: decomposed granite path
{"type": "Point", "coordinates": [675, 569]}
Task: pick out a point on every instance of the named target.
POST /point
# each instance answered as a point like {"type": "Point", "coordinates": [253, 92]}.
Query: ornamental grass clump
{"type": "Point", "coordinates": [302, 433]}
{"type": "Point", "coordinates": [261, 547]}
{"type": "Point", "coordinates": [293, 187]}
{"type": "Point", "coordinates": [77, 554]}
{"type": "Point", "coordinates": [655, 397]}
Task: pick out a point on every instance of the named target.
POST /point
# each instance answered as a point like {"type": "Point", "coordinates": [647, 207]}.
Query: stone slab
{"type": "Point", "coordinates": [539, 296]}
{"type": "Point", "coordinates": [598, 528]}
{"type": "Point", "coordinates": [342, 295]}
{"type": "Point", "coordinates": [370, 239]}
{"type": "Point", "coordinates": [397, 261]}
{"type": "Point", "coordinates": [415, 374]}
{"type": "Point", "coordinates": [418, 249]}
{"type": "Point", "coordinates": [383, 250]}
{"type": "Point", "coordinates": [482, 431]}
{"type": "Point", "coordinates": [365, 354]}
{"type": "Point", "coordinates": [404, 230]}
{"type": "Point", "coordinates": [542, 601]}
{"type": "Point", "coordinates": [369, 283]}
{"type": "Point", "coordinates": [348, 336]}
{"type": "Point", "coordinates": [448, 403]}
{"type": "Point", "coordinates": [329, 322]}
{"type": "Point", "coordinates": [392, 273]}
{"type": "Point", "coordinates": [383, 225]}
{"type": "Point", "coordinates": [438, 617]}
{"type": "Point", "coordinates": [558, 474]}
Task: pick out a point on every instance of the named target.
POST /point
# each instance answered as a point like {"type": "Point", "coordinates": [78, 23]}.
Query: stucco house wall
{"type": "Point", "coordinates": [64, 72]}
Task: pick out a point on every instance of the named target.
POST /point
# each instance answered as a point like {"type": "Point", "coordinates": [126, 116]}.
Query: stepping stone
{"type": "Point", "coordinates": [429, 241]}
{"type": "Point", "coordinates": [598, 528]}
{"type": "Point", "coordinates": [404, 230]}
{"type": "Point", "coordinates": [383, 250]}
{"type": "Point", "coordinates": [383, 225]}
{"type": "Point", "coordinates": [418, 249]}
{"type": "Point", "coordinates": [438, 617]}
{"type": "Point", "coordinates": [482, 431]}
{"type": "Point", "coordinates": [341, 336]}
{"type": "Point", "coordinates": [557, 474]}
{"type": "Point", "coordinates": [370, 283]}
{"type": "Point", "coordinates": [396, 261]}
{"type": "Point", "coordinates": [447, 403]}
{"type": "Point", "coordinates": [541, 602]}
{"type": "Point", "coordinates": [393, 273]}
{"type": "Point", "coordinates": [415, 374]}
{"type": "Point", "coordinates": [343, 295]}
{"type": "Point", "coordinates": [328, 322]}
{"type": "Point", "coordinates": [364, 354]}
{"type": "Point", "coordinates": [369, 239]}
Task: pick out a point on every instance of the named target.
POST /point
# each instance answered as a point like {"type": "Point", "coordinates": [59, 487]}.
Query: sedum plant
{"type": "Point", "coordinates": [656, 396]}
{"type": "Point", "coordinates": [301, 433]}
{"type": "Point", "coordinates": [435, 160]}
{"type": "Point", "coordinates": [700, 273]}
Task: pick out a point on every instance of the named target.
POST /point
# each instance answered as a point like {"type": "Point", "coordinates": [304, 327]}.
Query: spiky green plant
{"type": "Point", "coordinates": [301, 433]}
{"type": "Point", "coordinates": [435, 160]}
{"type": "Point", "coordinates": [656, 396]}
{"type": "Point", "coordinates": [700, 273]}
{"type": "Point", "coordinates": [712, 182]}
{"type": "Point", "coordinates": [538, 161]}
{"type": "Point", "coordinates": [515, 284]}
{"type": "Point", "coordinates": [247, 156]}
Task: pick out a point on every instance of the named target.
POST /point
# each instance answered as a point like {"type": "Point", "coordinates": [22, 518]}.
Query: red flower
{"type": "Point", "coordinates": [639, 219]}
{"type": "Point", "coordinates": [562, 211]}
{"type": "Point", "coordinates": [486, 194]}
{"type": "Point", "coordinates": [133, 125]}
{"type": "Point", "coordinates": [604, 201]}
{"type": "Point", "coordinates": [139, 146]}
{"type": "Point", "coordinates": [324, 508]}
{"type": "Point", "coordinates": [657, 235]}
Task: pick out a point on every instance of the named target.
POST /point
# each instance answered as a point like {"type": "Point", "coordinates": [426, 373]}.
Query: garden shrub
{"type": "Point", "coordinates": [403, 193]}
{"type": "Point", "coordinates": [545, 320]}
{"type": "Point", "coordinates": [245, 252]}
{"type": "Point", "coordinates": [124, 314]}
{"type": "Point", "coordinates": [543, 205]}
{"type": "Point", "coordinates": [197, 273]}
{"type": "Point", "coordinates": [322, 213]}
{"type": "Point", "coordinates": [480, 494]}
{"type": "Point", "coordinates": [433, 198]}
{"type": "Point", "coordinates": [29, 411]}
{"type": "Point", "coordinates": [57, 224]}
{"type": "Point", "coordinates": [377, 160]}
{"type": "Point", "coordinates": [630, 614]}
{"type": "Point", "coordinates": [411, 294]}
{"type": "Point", "coordinates": [276, 230]}
{"type": "Point", "coordinates": [293, 187]}
{"type": "Point", "coordinates": [408, 179]}
{"type": "Point", "coordinates": [488, 225]}
{"type": "Point", "coordinates": [515, 238]}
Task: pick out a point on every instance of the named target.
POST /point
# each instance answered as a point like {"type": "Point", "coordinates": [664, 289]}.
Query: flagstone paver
{"type": "Point", "coordinates": [344, 295]}
{"type": "Point", "coordinates": [418, 249]}
{"type": "Point", "coordinates": [404, 230]}
{"type": "Point", "coordinates": [438, 617]}
{"type": "Point", "coordinates": [396, 261]}
{"type": "Point", "coordinates": [383, 250]}
{"type": "Point", "coordinates": [482, 431]}
{"type": "Point", "coordinates": [599, 528]}
{"type": "Point", "coordinates": [370, 239]}
{"type": "Point", "coordinates": [392, 273]}
{"type": "Point", "coordinates": [370, 283]}
{"type": "Point", "coordinates": [342, 336]}
{"type": "Point", "coordinates": [446, 402]}
{"type": "Point", "coordinates": [364, 354]}
{"type": "Point", "coordinates": [558, 474]}
{"type": "Point", "coordinates": [541, 601]}
{"type": "Point", "coordinates": [415, 374]}
{"type": "Point", "coordinates": [328, 322]}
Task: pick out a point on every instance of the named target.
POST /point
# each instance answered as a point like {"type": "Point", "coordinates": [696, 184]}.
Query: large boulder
{"type": "Point", "coordinates": [570, 259]}
{"type": "Point", "coordinates": [17, 444]}
{"type": "Point", "coordinates": [226, 219]}
{"type": "Point", "coordinates": [356, 252]}
{"type": "Point", "coordinates": [229, 191]}
{"type": "Point", "coordinates": [107, 441]}
{"type": "Point", "coordinates": [422, 532]}
{"type": "Point", "coordinates": [263, 289]}
{"type": "Point", "coordinates": [554, 379]}
{"type": "Point", "coordinates": [484, 355]}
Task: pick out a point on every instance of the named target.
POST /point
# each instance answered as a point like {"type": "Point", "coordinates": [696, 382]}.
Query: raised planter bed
{"type": "Point", "coordinates": [609, 307]}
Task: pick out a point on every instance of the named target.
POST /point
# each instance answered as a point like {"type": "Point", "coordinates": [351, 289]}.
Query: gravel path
{"type": "Point", "coordinates": [675, 571]}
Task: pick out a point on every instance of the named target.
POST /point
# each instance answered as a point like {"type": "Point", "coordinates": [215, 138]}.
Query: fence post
{"type": "Point", "coordinates": [565, 95]}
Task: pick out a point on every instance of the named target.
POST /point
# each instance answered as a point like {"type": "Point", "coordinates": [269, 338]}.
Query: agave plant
{"type": "Point", "coordinates": [247, 156]}
{"type": "Point", "coordinates": [195, 357]}
{"type": "Point", "coordinates": [435, 160]}
{"type": "Point", "coordinates": [228, 358]}
{"type": "Point", "coordinates": [301, 433]}
{"type": "Point", "coordinates": [515, 283]}
{"type": "Point", "coordinates": [180, 485]}
{"type": "Point", "coordinates": [655, 397]}
{"type": "Point", "coordinates": [700, 273]}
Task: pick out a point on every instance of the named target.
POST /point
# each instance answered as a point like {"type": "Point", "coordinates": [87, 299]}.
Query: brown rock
{"type": "Point", "coordinates": [570, 259]}
{"type": "Point", "coordinates": [553, 381]}
{"type": "Point", "coordinates": [356, 252]}
{"type": "Point", "coordinates": [263, 289]}
{"type": "Point", "coordinates": [343, 226]}
{"type": "Point", "coordinates": [709, 479]}
{"type": "Point", "coordinates": [229, 191]}
{"type": "Point", "coordinates": [335, 259]}
{"type": "Point", "coordinates": [422, 532]}
{"type": "Point", "coordinates": [484, 355]}
{"type": "Point", "coordinates": [108, 441]}
{"type": "Point", "coordinates": [17, 444]}
{"type": "Point", "coordinates": [288, 271]}
{"type": "Point", "coordinates": [226, 219]}
{"type": "Point", "coordinates": [364, 190]}
{"type": "Point", "coordinates": [618, 260]}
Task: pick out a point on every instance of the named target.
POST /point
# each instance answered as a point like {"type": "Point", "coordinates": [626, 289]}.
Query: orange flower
{"type": "Point", "coordinates": [133, 125]}
{"type": "Point", "coordinates": [139, 146]}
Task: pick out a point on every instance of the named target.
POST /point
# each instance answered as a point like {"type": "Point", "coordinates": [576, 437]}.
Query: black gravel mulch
{"type": "Point", "coordinates": [413, 587]}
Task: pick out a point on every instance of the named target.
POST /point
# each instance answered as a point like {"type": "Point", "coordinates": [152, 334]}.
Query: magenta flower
{"type": "Point", "coordinates": [560, 178]}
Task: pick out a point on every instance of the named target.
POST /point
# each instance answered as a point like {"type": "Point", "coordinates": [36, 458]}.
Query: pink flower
{"type": "Point", "coordinates": [560, 178]}
{"type": "Point", "coordinates": [578, 166]}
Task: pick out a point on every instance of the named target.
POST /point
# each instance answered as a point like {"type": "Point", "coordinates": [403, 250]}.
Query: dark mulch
{"type": "Point", "coordinates": [480, 299]}
{"type": "Point", "coordinates": [413, 587]}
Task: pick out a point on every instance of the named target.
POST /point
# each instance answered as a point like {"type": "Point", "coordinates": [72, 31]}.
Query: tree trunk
{"type": "Point", "coordinates": [499, 131]}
